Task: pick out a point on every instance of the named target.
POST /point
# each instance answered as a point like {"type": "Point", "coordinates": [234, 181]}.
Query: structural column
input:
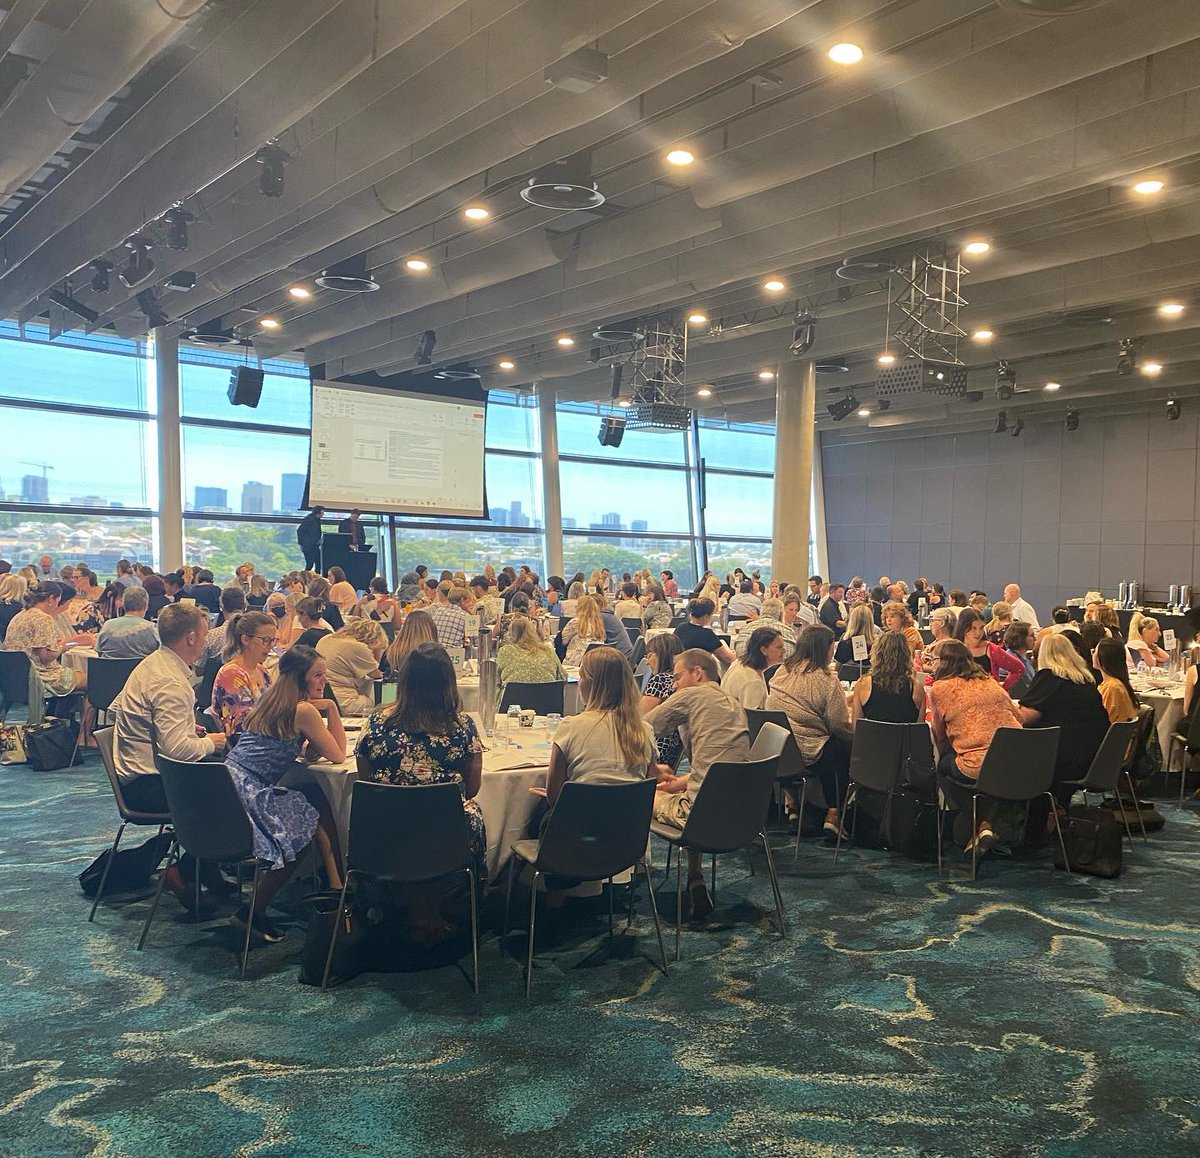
{"type": "Point", "coordinates": [795, 406]}
{"type": "Point", "coordinates": [551, 492]}
{"type": "Point", "coordinates": [170, 459]}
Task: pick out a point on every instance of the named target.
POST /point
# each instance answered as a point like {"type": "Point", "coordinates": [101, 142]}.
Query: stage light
{"type": "Point", "coordinates": [842, 407]}
{"type": "Point", "coordinates": [1171, 309]}
{"type": "Point", "coordinates": [1001, 423]}
{"type": "Point", "coordinates": [506, 364]}
{"type": "Point", "coordinates": [845, 53]}
{"type": "Point", "coordinates": [697, 319]}
{"type": "Point", "coordinates": [766, 375]}
{"type": "Point", "coordinates": [176, 222]}
{"type": "Point", "coordinates": [476, 213]}
{"type": "Point", "coordinates": [983, 334]}
{"type": "Point", "coordinates": [804, 334]}
{"type": "Point", "coordinates": [425, 345]}
{"type": "Point", "coordinates": [681, 156]}
{"type": "Point", "coordinates": [704, 392]}
{"type": "Point", "coordinates": [1152, 369]}
{"type": "Point", "coordinates": [1071, 422]}
{"type": "Point", "coordinates": [624, 403]}
{"type": "Point", "coordinates": [774, 285]}
{"type": "Point", "coordinates": [139, 265]}
{"type": "Point", "coordinates": [416, 264]}
{"type": "Point", "coordinates": [1173, 409]}
{"type": "Point", "coordinates": [886, 359]}
{"type": "Point", "coordinates": [566, 341]}
{"type": "Point", "coordinates": [272, 159]}
{"type": "Point", "coordinates": [1018, 426]}
{"type": "Point", "coordinates": [976, 248]}
{"type": "Point", "coordinates": [300, 292]}
{"type": "Point", "coordinates": [100, 271]}
{"type": "Point", "coordinates": [1149, 187]}
{"type": "Point", "coordinates": [269, 323]}
{"type": "Point", "coordinates": [147, 302]}
{"type": "Point", "coordinates": [864, 412]}
{"type": "Point", "coordinates": [1127, 356]}
{"type": "Point", "coordinates": [1006, 381]}
{"type": "Point", "coordinates": [1052, 386]}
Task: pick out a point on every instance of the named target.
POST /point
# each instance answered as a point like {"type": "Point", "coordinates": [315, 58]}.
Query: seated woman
{"type": "Point", "coordinates": [1108, 619]}
{"type": "Point", "coordinates": [319, 588]}
{"type": "Point", "coordinates": [525, 659]}
{"type": "Point", "coordinates": [670, 584]}
{"type": "Point", "coordinates": [418, 628]}
{"type": "Point", "coordinates": [341, 592]}
{"type": "Point", "coordinates": [660, 658]}
{"type": "Point", "coordinates": [1144, 634]}
{"type": "Point", "coordinates": [34, 632]}
{"type": "Point", "coordinates": [426, 738]}
{"type": "Point", "coordinates": [1120, 700]}
{"type": "Point", "coordinates": [585, 629]}
{"type": "Point", "coordinates": [745, 681]}
{"type": "Point", "coordinates": [13, 589]}
{"type": "Point", "coordinates": [1004, 668]}
{"type": "Point", "coordinates": [259, 590]}
{"type": "Point", "coordinates": [655, 610]}
{"type": "Point", "coordinates": [1064, 695]}
{"type": "Point", "coordinates": [897, 617]}
{"type": "Point", "coordinates": [861, 621]}
{"type": "Point", "coordinates": [1000, 622]}
{"type": "Point", "coordinates": [697, 632]}
{"type": "Point", "coordinates": [576, 587]}
{"type": "Point", "coordinates": [891, 690]}
{"type": "Point", "coordinates": [81, 613]}
{"type": "Point", "coordinates": [156, 590]}
{"type": "Point", "coordinates": [286, 720]}
{"type": "Point", "coordinates": [809, 693]}
{"type": "Point", "coordinates": [968, 706]}
{"type": "Point", "coordinates": [627, 605]}
{"type": "Point", "coordinates": [352, 655]}
{"type": "Point", "coordinates": [379, 604]}
{"type": "Point", "coordinates": [1018, 649]}
{"type": "Point", "coordinates": [242, 679]}
{"type": "Point", "coordinates": [310, 623]}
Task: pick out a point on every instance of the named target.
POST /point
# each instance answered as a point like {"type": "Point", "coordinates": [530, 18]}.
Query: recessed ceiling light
{"type": "Point", "coordinates": [624, 403]}
{"type": "Point", "coordinates": [982, 335]}
{"type": "Point", "coordinates": [269, 323]}
{"type": "Point", "coordinates": [476, 213]}
{"type": "Point", "coordinates": [1171, 309]}
{"type": "Point", "coordinates": [1149, 187]}
{"type": "Point", "coordinates": [766, 375]}
{"type": "Point", "coordinates": [864, 412]}
{"type": "Point", "coordinates": [704, 392]}
{"type": "Point", "coordinates": [976, 248]}
{"type": "Point", "coordinates": [416, 264]}
{"type": "Point", "coordinates": [300, 292]}
{"type": "Point", "coordinates": [506, 364]}
{"type": "Point", "coordinates": [887, 359]}
{"type": "Point", "coordinates": [1053, 386]}
{"type": "Point", "coordinates": [681, 156]}
{"type": "Point", "coordinates": [697, 319]}
{"type": "Point", "coordinates": [566, 342]}
{"type": "Point", "coordinates": [774, 285]}
{"type": "Point", "coordinates": [845, 53]}
{"type": "Point", "coordinates": [1152, 369]}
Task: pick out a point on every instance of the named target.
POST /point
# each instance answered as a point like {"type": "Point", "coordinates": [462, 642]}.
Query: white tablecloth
{"type": "Point", "coordinates": [468, 690]}
{"type": "Point", "coordinates": [1168, 713]}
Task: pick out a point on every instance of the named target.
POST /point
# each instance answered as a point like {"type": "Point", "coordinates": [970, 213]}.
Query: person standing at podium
{"type": "Point", "coordinates": [308, 535]}
{"type": "Point", "coordinates": [353, 528]}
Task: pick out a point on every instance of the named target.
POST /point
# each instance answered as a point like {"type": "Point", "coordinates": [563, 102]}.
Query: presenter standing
{"type": "Point", "coordinates": [308, 535]}
{"type": "Point", "coordinates": [353, 528]}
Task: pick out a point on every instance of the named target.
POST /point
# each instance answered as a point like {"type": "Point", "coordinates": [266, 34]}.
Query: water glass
{"type": "Point", "coordinates": [514, 717]}
{"type": "Point", "coordinates": [553, 719]}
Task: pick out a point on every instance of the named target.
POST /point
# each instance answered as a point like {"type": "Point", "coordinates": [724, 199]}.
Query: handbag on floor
{"type": "Point", "coordinates": [51, 744]}
{"type": "Point", "coordinates": [12, 743]}
{"type": "Point", "coordinates": [131, 870]}
{"type": "Point", "coordinates": [1093, 837]}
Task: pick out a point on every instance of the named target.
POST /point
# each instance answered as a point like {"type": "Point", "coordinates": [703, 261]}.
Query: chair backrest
{"type": "Point", "coordinates": [1115, 751]}
{"type": "Point", "coordinates": [405, 832]}
{"type": "Point", "coordinates": [542, 698]}
{"type": "Point", "coordinates": [919, 757]}
{"type": "Point", "coordinates": [104, 744]}
{"type": "Point", "coordinates": [597, 830]}
{"type": "Point", "coordinates": [1145, 726]}
{"type": "Point", "coordinates": [1019, 764]}
{"type": "Point", "coordinates": [207, 814]}
{"type": "Point", "coordinates": [205, 686]}
{"type": "Point", "coordinates": [639, 651]}
{"type": "Point", "coordinates": [850, 672]}
{"type": "Point", "coordinates": [877, 754]}
{"type": "Point", "coordinates": [770, 741]}
{"type": "Point", "coordinates": [731, 805]}
{"type": "Point", "coordinates": [791, 760]}
{"type": "Point", "coordinates": [14, 678]}
{"type": "Point", "coordinates": [106, 678]}
{"type": "Point", "coordinates": [389, 629]}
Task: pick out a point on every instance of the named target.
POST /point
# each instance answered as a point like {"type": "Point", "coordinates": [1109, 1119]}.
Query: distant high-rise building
{"type": "Point", "coordinates": [88, 501]}
{"type": "Point", "coordinates": [639, 525]}
{"type": "Point", "coordinates": [35, 488]}
{"type": "Point", "coordinates": [212, 499]}
{"type": "Point", "coordinates": [291, 492]}
{"type": "Point", "coordinates": [569, 524]}
{"type": "Point", "coordinates": [612, 519]}
{"type": "Point", "coordinates": [258, 499]}
{"type": "Point", "coordinates": [498, 515]}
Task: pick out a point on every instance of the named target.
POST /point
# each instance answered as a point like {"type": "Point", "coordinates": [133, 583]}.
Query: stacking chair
{"type": "Point", "coordinates": [409, 834]}
{"type": "Point", "coordinates": [106, 678]}
{"type": "Point", "coordinates": [791, 771]}
{"type": "Point", "coordinates": [1190, 741]}
{"type": "Point", "coordinates": [876, 761]}
{"type": "Point", "coordinates": [639, 652]}
{"type": "Point", "coordinates": [542, 698]}
{"type": "Point", "coordinates": [210, 822]}
{"type": "Point", "coordinates": [104, 741]}
{"type": "Point", "coordinates": [1019, 766]}
{"type": "Point", "coordinates": [1110, 760]}
{"type": "Point", "coordinates": [852, 672]}
{"type": "Point", "coordinates": [594, 832]}
{"type": "Point", "coordinates": [16, 685]}
{"type": "Point", "coordinates": [634, 627]}
{"type": "Point", "coordinates": [1133, 761]}
{"type": "Point", "coordinates": [727, 814]}
{"type": "Point", "coordinates": [205, 686]}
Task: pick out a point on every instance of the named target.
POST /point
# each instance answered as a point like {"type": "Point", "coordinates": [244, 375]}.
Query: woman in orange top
{"type": "Point", "coordinates": [897, 617]}
{"type": "Point", "coordinates": [968, 706]}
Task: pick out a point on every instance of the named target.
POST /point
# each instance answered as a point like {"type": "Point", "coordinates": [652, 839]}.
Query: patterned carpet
{"type": "Point", "coordinates": [1030, 1013]}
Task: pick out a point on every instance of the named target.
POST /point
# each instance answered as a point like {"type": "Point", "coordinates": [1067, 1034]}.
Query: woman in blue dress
{"type": "Point", "coordinates": [285, 721]}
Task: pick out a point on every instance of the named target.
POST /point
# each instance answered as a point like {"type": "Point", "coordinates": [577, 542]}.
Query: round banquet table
{"type": "Point", "coordinates": [468, 690]}
{"type": "Point", "coordinates": [1165, 696]}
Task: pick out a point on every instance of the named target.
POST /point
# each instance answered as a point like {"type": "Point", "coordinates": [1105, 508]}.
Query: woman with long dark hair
{"type": "Point", "coordinates": [1120, 700]}
{"type": "Point", "coordinates": [745, 682]}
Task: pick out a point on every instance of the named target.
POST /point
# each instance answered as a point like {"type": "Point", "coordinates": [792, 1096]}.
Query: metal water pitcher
{"type": "Point", "coordinates": [1185, 597]}
{"type": "Point", "coordinates": [1173, 597]}
{"type": "Point", "coordinates": [1135, 592]}
{"type": "Point", "coordinates": [1123, 594]}
{"type": "Point", "coordinates": [488, 681]}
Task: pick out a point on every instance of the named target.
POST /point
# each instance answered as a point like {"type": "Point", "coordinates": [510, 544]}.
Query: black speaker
{"type": "Point", "coordinates": [245, 386]}
{"type": "Point", "coordinates": [612, 430]}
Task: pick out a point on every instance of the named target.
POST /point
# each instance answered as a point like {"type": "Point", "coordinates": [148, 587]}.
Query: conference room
{"type": "Point", "coordinates": [615, 577]}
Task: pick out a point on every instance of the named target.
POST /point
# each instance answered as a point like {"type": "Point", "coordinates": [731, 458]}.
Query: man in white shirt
{"type": "Point", "coordinates": [129, 636]}
{"type": "Point", "coordinates": [1022, 611]}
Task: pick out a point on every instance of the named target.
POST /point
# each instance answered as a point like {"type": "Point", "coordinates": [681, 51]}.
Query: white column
{"type": "Point", "coordinates": [170, 458]}
{"type": "Point", "coordinates": [795, 406]}
{"type": "Point", "coordinates": [551, 494]}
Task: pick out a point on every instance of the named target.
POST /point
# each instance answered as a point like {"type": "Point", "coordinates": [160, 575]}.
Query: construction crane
{"type": "Point", "coordinates": [45, 466]}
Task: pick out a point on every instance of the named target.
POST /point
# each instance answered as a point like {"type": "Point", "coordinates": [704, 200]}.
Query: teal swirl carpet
{"type": "Point", "coordinates": [1027, 1014]}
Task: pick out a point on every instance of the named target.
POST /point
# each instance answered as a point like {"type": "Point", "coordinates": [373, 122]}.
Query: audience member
{"type": "Point", "coordinates": [205, 592]}
{"type": "Point", "coordinates": [233, 600]}
{"type": "Point", "coordinates": [34, 632]}
{"type": "Point", "coordinates": [745, 681]}
{"type": "Point", "coordinates": [310, 623]}
{"type": "Point", "coordinates": [660, 685]}
{"type": "Point", "coordinates": [860, 623]}
{"type": "Point", "coordinates": [129, 636]}
{"type": "Point", "coordinates": [319, 588]}
{"type": "Point", "coordinates": [418, 629]}
{"type": "Point", "coordinates": [525, 658]}
{"type": "Point", "coordinates": [669, 585]}
{"type": "Point", "coordinates": [449, 618]}
{"type": "Point", "coordinates": [1021, 609]}
{"type": "Point", "coordinates": [697, 633]}
{"type": "Point", "coordinates": [744, 604]}
{"type": "Point", "coordinates": [341, 592]}
{"type": "Point", "coordinates": [890, 691]}
{"type": "Point", "coordinates": [941, 623]}
{"type": "Point", "coordinates": [585, 629]}
{"type": "Point", "coordinates": [352, 655]}
{"type": "Point", "coordinates": [1120, 700]}
{"type": "Point", "coordinates": [832, 609]}
{"type": "Point", "coordinates": [13, 589]}
{"type": "Point", "coordinates": [656, 611]}
{"type": "Point", "coordinates": [242, 679]}
{"type": "Point", "coordinates": [1144, 634]}
{"type": "Point", "coordinates": [627, 606]}
{"type": "Point", "coordinates": [896, 617]}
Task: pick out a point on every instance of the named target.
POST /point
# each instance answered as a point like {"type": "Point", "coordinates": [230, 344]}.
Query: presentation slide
{"type": "Point", "coordinates": [382, 450]}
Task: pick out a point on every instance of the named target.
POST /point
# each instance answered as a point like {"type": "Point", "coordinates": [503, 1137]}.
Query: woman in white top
{"type": "Point", "coordinates": [1144, 634]}
{"type": "Point", "coordinates": [341, 593]}
{"type": "Point", "coordinates": [744, 682]}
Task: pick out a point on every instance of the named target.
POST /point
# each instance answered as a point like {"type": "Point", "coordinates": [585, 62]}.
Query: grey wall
{"type": "Point", "coordinates": [1059, 512]}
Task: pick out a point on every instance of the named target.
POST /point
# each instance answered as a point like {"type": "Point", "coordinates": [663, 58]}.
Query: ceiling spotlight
{"type": "Point", "coordinates": [697, 319]}
{"type": "Point", "coordinates": [704, 392]}
{"type": "Point", "coordinates": [1149, 187]}
{"type": "Point", "coordinates": [864, 412]}
{"type": "Point", "coordinates": [1006, 381]}
{"type": "Point", "coordinates": [1017, 427]}
{"type": "Point", "coordinates": [773, 285]}
{"type": "Point", "coordinates": [269, 323]}
{"type": "Point", "coordinates": [416, 264]}
{"type": "Point", "coordinates": [681, 157]}
{"type": "Point", "coordinates": [138, 266]}
{"type": "Point", "coordinates": [272, 159]}
{"type": "Point", "coordinates": [566, 341]}
{"type": "Point", "coordinates": [1071, 422]}
{"type": "Point", "coordinates": [476, 213]}
{"type": "Point", "coordinates": [624, 403]}
{"type": "Point", "coordinates": [100, 271]}
{"type": "Point", "coordinates": [804, 334]}
{"type": "Point", "coordinates": [176, 222]}
{"type": "Point", "coordinates": [506, 364]}
{"type": "Point", "coordinates": [425, 345]}
{"type": "Point", "coordinates": [1173, 409]}
{"type": "Point", "coordinates": [886, 359]}
{"type": "Point", "coordinates": [147, 302]}
{"type": "Point", "coordinates": [976, 248]}
{"type": "Point", "coordinates": [1152, 369]}
{"type": "Point", "coordinates": [1171, 309]}
{"type": "Point", "coordinates": [1001, 422]}
{"type": "Point", "coordinates": [983, 334]}
{"type": "Point", "coordinates": [300, 292]}
{"type": "Point", "coordinates": [845, 54]}
{"type": "Point", "coordinates": [766, 375]}
{"type": "Point", "coordinates": [1127, 356]}
{"type": "Point", "coordinates": [1052, 386]}
{"type": "Point", "coordinates": [844, 406]}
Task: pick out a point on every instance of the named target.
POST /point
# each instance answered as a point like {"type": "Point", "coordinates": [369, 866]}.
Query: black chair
{"type": "Point", "coordinates": [1110, 760]}
{"type": "Point", "coordinates": [1190, 742]}
{"type": "Point", "coordinates": [639, 652]}
{"type": "Point", "coordinates": [876, 762]}
{"type": "Point", "coordinates": [389, 629]}
{"type": "Point", "coordinates": [1019, 766]}
{"type": "Point", "coordinates": [106, 678]}
{"type": "Point", "coordinates": [542, 698]}
{"type": "Point", "coordinates": [15, 674]}
{"type": "Point", "coordinates": [594, 832]}
{"type": "Point", "coordinates": [409, 834]}
{"type": "Point", "coordinates": [1133, 763]}
{"type": "Point", "coordinates": [852, 672]}
{"type": "Point", "coordinates": [207, 679]}
{"type": "Point", "coordinates": [791, 772]}
{"type": "Point", "coordinates": [104, 742]}
{"type": "Point", "coordinates": [210, 822]}
{"type": "Point", "coordinates": [727, 814]}
{"type": "Point", "coordinates": [634, 627]}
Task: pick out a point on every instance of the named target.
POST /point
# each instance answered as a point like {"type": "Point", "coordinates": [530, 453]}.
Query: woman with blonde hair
{"type": "Point", "coordinates": [524, 659]}
{"type": "Point", "coordinates": [1142, 644]}
{"type": "Point", "coordinates": [1001, 621]}
{"type": "Point", "coordinates": [586, 628]}
{"type": "Point", "coordinates": [418, 628]}
{"type": "Point", "coordinates": [861, 621]}
{"type": "Point", "coordinates": [352, 655]}
{"type": "Point", "coordinates": [13, 589]}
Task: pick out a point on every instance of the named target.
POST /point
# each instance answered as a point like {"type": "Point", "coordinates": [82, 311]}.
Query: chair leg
{"type": "Point", "coordinates": [198, 867]}
{"type": "Point", "coordinates": [667, 869]}
{"type": "Point", "coordinates": [1134, 797]}
{"type": "Point", "coordinates": [632, 885]}
{"type": "Point", "coordinates": [799, 817]}
{"type": "Point", "coordinates": [474, 929]}
{"type": "Point", "coordinates": [941, 825]}
{"type": "Point", "coordinates": [532, 926]}
{"type": "Point", "coordinates": [714, 878]}
{"type": "Point", "coordinates": [337, 924]}
{"type": "Point", "coordinates": [657, 923]}
{"type": "Point", "coordinates": [678, 900]}
{"type": "Point", "coordinates": [1183, 771]}
{"type": "Point", "coordinates": [104, 876]}
{"type": "Point", "coordinates": [250, 921]}
{"type": "Point", "coordinates": [1062, 844]}
{"type": "Point", "coordinates": [850, 797]}
{"type": "Point", "coordinates": [512, 876]}
{"type": "Point", "coordinates": [172, 856]}
{"type": "Point", "coordinates": [1125, 821]}
{"type": "Point", "coordinates": [974, 833]}
{"type": "Point", "coordinates": [774, 886]}
{"type": "Point", "coordinates": [610, 907]}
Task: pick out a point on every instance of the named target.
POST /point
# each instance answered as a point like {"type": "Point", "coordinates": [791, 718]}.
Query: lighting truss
{"type": "Point", "coordinates": [655, 371]}
{"type": "Point", "coordinates": [929, 301]}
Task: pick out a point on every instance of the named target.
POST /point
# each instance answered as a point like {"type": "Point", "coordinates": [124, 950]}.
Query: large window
{"type": "Point", "coordinates": [579, 426]}
{"type": "Point", "coordinates": [250, 472]}
{"type": "Point", "coordinates": [95, 540]}
{"type": "Point", "coordinates": [739, 493]}
{"type": "Point", "coordinates": [204, 391]}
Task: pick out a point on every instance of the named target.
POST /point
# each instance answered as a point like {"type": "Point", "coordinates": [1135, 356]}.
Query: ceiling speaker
{"type": "Point", "coordinates": [245, 385]}
{"type": "Point", "coordinates": [612, 430]}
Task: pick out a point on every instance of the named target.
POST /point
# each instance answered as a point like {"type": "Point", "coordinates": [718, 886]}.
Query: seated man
{"type": "Point", "coordinates": [155, 715]}
{"type": "Point", "coordinates": [449, 617]}
{"type": "Point", "coordinates": [714, 729]}
{"type": "Point", "coordinates": [129, 636]}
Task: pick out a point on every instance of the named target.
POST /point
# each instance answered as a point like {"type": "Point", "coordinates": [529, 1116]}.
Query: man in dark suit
{"type": "Point", "coordinates": [353, 528]}
{"type": "Point", "coordinates": [308, 535]}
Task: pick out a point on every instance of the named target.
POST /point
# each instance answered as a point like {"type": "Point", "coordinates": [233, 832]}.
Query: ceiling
{"type": "Point", "coordinates": [1023, 122]}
